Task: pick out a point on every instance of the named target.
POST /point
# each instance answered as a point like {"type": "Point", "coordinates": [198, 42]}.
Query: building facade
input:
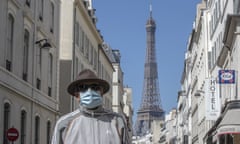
{"type": "Point", "coordinates": [122, 96]}
{"type": "Point", "coordinates": [117, 78]}
{"type": "Point", "coordinates": [29, 49]}
{"type": "Point", "coordinates": [43, 47]}
{"type": "Point", "coordinates": [210, 76]}
{"type": "Point", "coordinates": [81, 47]}
{"type": "Point", "coordinates": [128, 110]}
{"type": "Point", "coordinates": [225, 28]}
{"type": "Point", "coordinates": [183, 129]}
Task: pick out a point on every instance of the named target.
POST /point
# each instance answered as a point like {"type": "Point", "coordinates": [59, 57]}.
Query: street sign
{"type": "Point", "coordinates": [12, 134]}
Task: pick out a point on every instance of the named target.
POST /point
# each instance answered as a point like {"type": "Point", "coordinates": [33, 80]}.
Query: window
{"type": "Point", "coordinates": [25, 55]}
{"type": "Point", "coordinates": [39, 56]}
{"type": "Point", "coordinates": [39, 67]}
{"type": "Point", "coordinates": [214, 53]}
{"type": "Point", "coordinates": [219, 10]}
{"type": "Point", "coordinates": [238, 8]}
{"type": "Point", "coordinates": [37, 130]}
{"type": "Point", "coordinates": [185, 139]}
{"type": "Point", "coordinates": [6, 121]}
{"type": "Point", "coordinates": [48, 132]}
{"type": "Point", "coordinates": [87, 47]}
{"type": "Point", "coordinates": [76, 66]}
{"type": "Point", "coordinates": [77, 34]}
{"type": "Point", "coordinates": [38, 83]}
{"type": "Point", "coordinates": [95, 59]}
{"type": "Point", "coordinates": [23, 127]}
{"type": "Point", "coordinates": [210, 27]}
{"type": "Point", "coordinates": [99, 68]}
{"type": "Point", "coordinates": [28, 3]}
{"type": "Point", "coordinates": [41, 4]}
{"type": "Point", "coordinates": [50, 74]}
{"type": "Point", "coordinates": [82, 41]}
{"type": "Point", "coordinates": [49, 91]}
{"type": "Point", "coordinates": [52, 18]}
{"type": "Point", "coordinates": [91, 54]}
{"type": "Point", "coordinates": [9, 48]}
{"type": "Point", "coordinates": [80, 38]}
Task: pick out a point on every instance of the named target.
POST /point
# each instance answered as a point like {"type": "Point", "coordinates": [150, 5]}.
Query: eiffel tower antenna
{"type": "Point", "coordinates": [150, 8]}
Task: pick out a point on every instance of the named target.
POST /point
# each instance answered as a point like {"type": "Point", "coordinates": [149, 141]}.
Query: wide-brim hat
{"type": "Point", "coordinates": [87, 76]}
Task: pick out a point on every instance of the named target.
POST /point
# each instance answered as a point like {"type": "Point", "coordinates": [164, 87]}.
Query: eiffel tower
{"type": "Point", "coordinates": [150, 108]}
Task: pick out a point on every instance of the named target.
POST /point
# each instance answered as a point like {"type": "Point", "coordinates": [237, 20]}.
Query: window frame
{"type": "Point", "coordinates": [26, 54]}
{"type": "Point", "coordinates": [37, 130]}
{"type": "Point", "coordinates": [23, 127]}
{"type": "Point", "coordinates": [10, 40]}
{"type": "Point", "coordinates": [6, 121]}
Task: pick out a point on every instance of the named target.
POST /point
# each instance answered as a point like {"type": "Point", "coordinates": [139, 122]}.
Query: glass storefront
{"type": "Point", "coordinates": [229, 139]}
{"type": "Point", "coordinates": [226, 130]}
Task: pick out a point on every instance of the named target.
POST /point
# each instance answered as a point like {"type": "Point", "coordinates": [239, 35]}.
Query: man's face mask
{"type": "Point", "coordinates": [90, 99]}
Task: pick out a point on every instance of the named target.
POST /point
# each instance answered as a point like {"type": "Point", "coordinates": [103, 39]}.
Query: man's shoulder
{"type": "Point", "coordinates": [65, 119]}
{"type": "Point", "coordinates": [114, 114]}
{"type": "Point", "coordinates": [69, 115]}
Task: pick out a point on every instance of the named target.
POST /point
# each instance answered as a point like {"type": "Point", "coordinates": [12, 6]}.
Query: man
{"type": "Point", "coordinates": [91, 123]}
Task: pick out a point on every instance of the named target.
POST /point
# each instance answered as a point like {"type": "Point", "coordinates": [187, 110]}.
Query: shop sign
{"type": "Point", "coordinates": [212, 102]}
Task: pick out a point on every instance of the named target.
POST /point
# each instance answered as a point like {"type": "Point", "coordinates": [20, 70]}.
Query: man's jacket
{"type": "Point", "coordinates": [84, 126]}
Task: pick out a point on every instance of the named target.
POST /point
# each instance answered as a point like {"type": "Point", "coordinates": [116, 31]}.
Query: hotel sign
{"type": "Point", "coordinates": [212, 99]}
{"type": "Point", "coordinates": [226, 76]}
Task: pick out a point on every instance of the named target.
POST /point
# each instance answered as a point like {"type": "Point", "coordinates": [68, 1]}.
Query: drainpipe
{"type": "Point", "coordinates": [73, 54]}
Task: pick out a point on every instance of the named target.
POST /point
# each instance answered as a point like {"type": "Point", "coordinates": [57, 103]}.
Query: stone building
{"type": "Point", "coordinates": [210, 77]}
{"type": "Point", "coordinates": [43, 46]}
{"type": "Point", "coordinates": [81, 47]}
{"type": "Point", "coordinates": [122, 96]}
{"type": "Point", "coordinates": [29, 49]}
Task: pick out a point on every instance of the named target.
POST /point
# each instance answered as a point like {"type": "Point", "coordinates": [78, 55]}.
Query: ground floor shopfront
{"type": "Point", "coordinates": [226, 130]}
{"type": "Point", "coordinates": [229, 139]}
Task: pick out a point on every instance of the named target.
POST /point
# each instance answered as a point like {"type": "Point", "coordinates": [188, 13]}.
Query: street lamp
{"type": "Point", "coordinates": [43, 43]}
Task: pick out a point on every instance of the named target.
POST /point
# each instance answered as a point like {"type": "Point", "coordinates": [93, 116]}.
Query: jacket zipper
{"type": "Point", "coordinates": [93, 127]}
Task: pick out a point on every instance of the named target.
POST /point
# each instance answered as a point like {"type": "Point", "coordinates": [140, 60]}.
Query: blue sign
{"type": "Point", "coordinates": [226, 76]}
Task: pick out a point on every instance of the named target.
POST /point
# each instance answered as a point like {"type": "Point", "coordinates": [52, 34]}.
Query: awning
{"type": "Point", "coordinates": [230, 123]}
{"type": "Point", "coordinates": [229, 129]}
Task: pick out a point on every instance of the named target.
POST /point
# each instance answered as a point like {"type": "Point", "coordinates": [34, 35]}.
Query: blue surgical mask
{"type": "Point", "coordinates": [90, 99]}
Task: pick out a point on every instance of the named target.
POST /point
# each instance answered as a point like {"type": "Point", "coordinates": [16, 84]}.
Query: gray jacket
{"type": "Point", "coordinates": [84, 126]}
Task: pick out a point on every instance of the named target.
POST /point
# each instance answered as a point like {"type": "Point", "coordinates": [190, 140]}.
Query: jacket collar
{"type": "Point", "coordinates": [93, 112]}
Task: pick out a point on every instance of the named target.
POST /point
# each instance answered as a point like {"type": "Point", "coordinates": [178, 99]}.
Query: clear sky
{"type": "Point", "coordinates": [122, 25]}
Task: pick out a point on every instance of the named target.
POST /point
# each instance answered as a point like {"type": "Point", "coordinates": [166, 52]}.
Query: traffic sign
{"type": "Point", "coordinates": [12, 134]}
